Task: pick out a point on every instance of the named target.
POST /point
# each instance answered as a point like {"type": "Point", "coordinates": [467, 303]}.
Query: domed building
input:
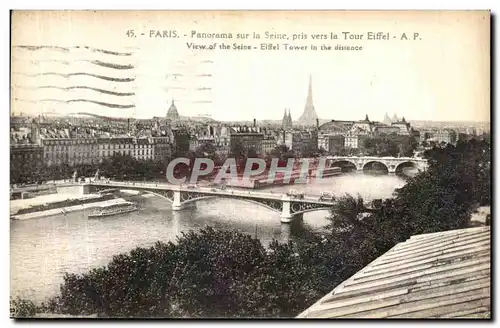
{"type": "Point", "coordinates": [172, 113]}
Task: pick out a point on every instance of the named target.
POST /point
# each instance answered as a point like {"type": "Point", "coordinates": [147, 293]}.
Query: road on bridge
{"type": "Point", "coordinates": [210, 191]}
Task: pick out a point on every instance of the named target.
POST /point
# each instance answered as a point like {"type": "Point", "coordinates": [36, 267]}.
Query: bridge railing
{"type": "Point", "coordinates": [210, 190]}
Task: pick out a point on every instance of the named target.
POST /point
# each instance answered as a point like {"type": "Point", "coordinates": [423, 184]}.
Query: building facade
{"type": "Point", "coordinates": [445, 135]}
{"type": "Point", "coordinates": [75, 151]}
{"type": "Point", "coordinates": [162, 148]}
{"type": "Point", "coordinates": [301, 141]}
{"type": "Point", "coordinates": [336, 145]}
{"type": "Point", "coordinates": [249, 137]}
{"type": "Point", "coordinates": [438, 136]}
{"type": "Point", "coordinates": [355, 132]}
{"type": "Point", "coordinates": [21, 154]}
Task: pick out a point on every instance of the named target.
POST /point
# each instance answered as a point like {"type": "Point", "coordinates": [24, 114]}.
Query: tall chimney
{"type": "Point", "coordinates": [128, 125]}
{"type": "Point", "coordinates": [254, 122]}
{"type": "Point", "coordinates": [317, 123]}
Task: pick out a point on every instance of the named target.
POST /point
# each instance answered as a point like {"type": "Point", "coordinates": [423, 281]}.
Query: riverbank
{"type": "Point", "coordinates": [20, 204]}
{"type": "Point", "coordinates": [92, 198]}
{"type": "Point", "coordinates": [68, 209]}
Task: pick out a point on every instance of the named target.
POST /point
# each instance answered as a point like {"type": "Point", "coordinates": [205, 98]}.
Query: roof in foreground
{"type": "Point", "coordinates": [437, 275]}
{"type": "Point", "coordinates": [60, 316]}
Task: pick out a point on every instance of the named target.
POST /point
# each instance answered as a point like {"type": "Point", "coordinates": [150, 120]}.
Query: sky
{"type": "Point", "coordinates": [444, 75]}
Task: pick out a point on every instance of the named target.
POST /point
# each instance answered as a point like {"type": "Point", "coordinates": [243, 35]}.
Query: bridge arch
{"type": "Point", "coordinates": [326, 208]}
{"type": "Point", "coordinates": [275, 206]}
{"type": "Point", "coordinates": [166, 196]}
{"type": "Point", "coordinates": [345, 164]}
{"type": "Point", "coordinates": [378, 165]}
{"type": "Point", "coordinates": [407, 164]}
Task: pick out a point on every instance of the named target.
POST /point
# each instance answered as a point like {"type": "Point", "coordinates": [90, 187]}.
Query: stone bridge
{"type": "Point", "coordinates": [289, 208]}
{"type": "Point", "coordinates": [392, 164]}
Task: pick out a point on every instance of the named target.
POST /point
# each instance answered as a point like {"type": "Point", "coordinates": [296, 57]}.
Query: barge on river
{"type": "Point", "coordinates": [115, 209]}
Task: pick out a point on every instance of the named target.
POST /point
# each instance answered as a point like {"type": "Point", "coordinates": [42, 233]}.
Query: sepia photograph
{"type": "Point", "coordinates": [250, 164]}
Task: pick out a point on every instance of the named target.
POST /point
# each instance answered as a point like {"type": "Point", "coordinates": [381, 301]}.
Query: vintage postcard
{"type": "Point", "coordinates": [250, 164]}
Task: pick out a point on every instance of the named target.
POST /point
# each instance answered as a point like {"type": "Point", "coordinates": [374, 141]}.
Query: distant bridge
{"type": "Point", "coordinates": [392, 164]}
{"type": "Point", "coordinates": [288, 207]}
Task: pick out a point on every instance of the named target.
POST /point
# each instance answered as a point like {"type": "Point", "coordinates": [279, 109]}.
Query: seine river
{"type": "Point", "coordinates": [42, 250]}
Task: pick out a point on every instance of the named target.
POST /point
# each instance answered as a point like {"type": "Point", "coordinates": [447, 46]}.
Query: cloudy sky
{"type": "Point", "coordinates": [68, 62]}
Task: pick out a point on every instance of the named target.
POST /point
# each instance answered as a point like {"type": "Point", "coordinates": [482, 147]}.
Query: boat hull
{"type": "Point", "coordinates": [102, 215]}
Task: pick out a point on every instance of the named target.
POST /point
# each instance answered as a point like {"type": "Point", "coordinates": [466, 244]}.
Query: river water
{"type": "Point", "coordinates": [42, 250]}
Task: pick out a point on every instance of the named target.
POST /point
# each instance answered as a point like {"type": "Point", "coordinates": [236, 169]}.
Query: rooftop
{"type": "Point", "coordinates": [437, 275]}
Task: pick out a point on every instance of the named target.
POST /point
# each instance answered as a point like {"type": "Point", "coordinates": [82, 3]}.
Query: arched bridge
{"type": "Point", "coordinates": [392, 164]}
{"type": "Point", "coordinates": [288, 207]}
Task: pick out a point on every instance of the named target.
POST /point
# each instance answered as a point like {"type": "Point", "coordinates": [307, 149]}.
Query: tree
{"type": "Point", "coordinates": [123, 167]}
{"type": "Point", "coordinates": [238, 150]}
{"type": "Point", "coordinates": [282, 152]}
{"type": "Point", "coordinates": [211, 273]}
{"type": "Point", "coordinates": [380, 146]}
{"type": "Point", "coordinates": [308, 150]}
{"type": "Point", "coordinates": [197, 277]}
{"type": "Point", "coordinates": [252, 153]}
{"type": "Point", "coordinates": [407, 146]}
{"type": "Point", "coordinates": [20, 308]}
{"type": "Point", "coordinates": [322, 151]}
{"type": "Point", "coordinates": [345, 215]}
{"type": "Point", "coordinates": [348, 151]}
{"type": "Point", "coordinates": [443, 197]}
{"type": "Point", "coordinates": [206, 150]}
{"type": "Point", "coordinates": [283, 284]}
{"type": "Point", "coordinates": [440, 199]}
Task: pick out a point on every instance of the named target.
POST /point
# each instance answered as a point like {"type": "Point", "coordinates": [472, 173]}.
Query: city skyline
{"type": "Point", "coordinates": [406, 79]}
{"type": "Point", "coordinates": [208, 116]}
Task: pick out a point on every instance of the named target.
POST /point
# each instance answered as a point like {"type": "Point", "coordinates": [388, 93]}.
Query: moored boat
{"type": "Point", "coordinates": [115, 209]}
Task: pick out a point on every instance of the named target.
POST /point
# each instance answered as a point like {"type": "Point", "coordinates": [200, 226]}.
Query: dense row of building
{"type": "Point", "coordinates": [69, 142]}
{"type": "Point", "coordinates": [76, 141]}
{"type": "Point", "coordinates": [47, 146]}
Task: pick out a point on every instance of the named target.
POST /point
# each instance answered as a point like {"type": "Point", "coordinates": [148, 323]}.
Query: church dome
{"type": "Point", "coordinates": [172, 113]}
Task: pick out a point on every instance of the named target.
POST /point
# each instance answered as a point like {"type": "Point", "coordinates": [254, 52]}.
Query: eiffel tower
{"type": "Point", "coordinates": [309, 116]}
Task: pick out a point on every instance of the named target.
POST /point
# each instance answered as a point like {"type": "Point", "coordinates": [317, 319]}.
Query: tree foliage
{"type": "Point", "coordinates": [206, 150]}
{"type": "Point", "coordinates": [20, 308]}
{"type": "Point", "coordinates": [282, 152]}
{"type": "Point", "coordinates": [390, 145]}
{"type": "Point", "coordinates": [442, 198]}
{"type": "Point", "coordinates": [210, 273]}
{"type": "Point", "coordinates": [122, 167]}
{"type": "Point", "coordinates": [206, 274]}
